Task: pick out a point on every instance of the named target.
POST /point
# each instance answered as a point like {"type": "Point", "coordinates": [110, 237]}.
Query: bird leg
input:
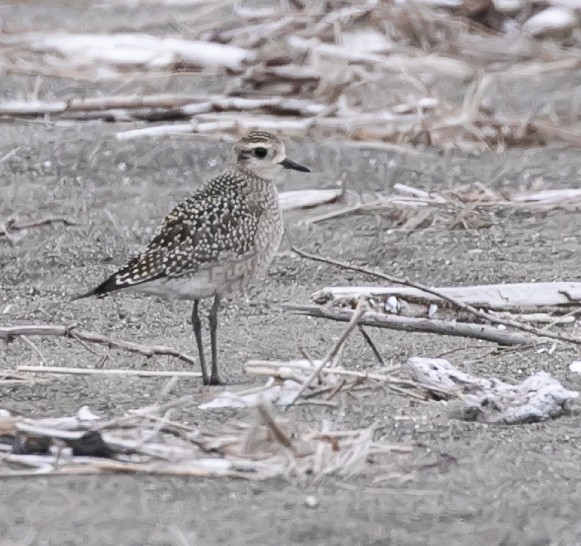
{"type": "Point", "coordinates": [197, 324]}
{"type": "Point", "coordinates": [213, 318]}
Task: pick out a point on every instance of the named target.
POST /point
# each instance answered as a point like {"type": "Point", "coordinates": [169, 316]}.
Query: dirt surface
{"type": "Point", "coordinates": [463, 483]}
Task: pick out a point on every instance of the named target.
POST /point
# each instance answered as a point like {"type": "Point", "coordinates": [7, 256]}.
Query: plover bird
{"type": "Point", "coordinates": [217, 240]}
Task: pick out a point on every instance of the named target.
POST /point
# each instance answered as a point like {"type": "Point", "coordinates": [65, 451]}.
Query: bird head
{"type": "Point", "coordinates": [263, 154]}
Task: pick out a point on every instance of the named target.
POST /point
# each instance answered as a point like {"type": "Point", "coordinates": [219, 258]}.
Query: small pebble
{"type": "Point", "coordinates": [311, 502]}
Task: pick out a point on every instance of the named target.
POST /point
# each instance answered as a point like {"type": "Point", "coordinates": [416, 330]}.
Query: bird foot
{"type": "Point", "coordinates": [214, 381]}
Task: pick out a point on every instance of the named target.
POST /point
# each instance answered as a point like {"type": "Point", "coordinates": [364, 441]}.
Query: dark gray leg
{"type": "Point", "coordinates": [214, 377]}
{"type": "Point", "coordinates": [197, 324]}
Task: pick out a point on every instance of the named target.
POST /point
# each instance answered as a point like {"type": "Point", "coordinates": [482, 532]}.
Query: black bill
{"type": "Point", "coordinates": [288, 164]}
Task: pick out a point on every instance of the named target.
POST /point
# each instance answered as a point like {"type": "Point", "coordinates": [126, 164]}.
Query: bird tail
{"type": "Point", "coordinates": [124, 278]}
{"type": "Point", "coordinates": [102, 290]}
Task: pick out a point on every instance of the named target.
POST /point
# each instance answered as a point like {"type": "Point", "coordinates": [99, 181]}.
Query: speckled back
{"type": "Point", "coordinates": [225, 234]}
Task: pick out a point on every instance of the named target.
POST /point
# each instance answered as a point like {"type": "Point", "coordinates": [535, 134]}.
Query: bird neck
{"type": "Point", "coordinates": [250, 177]}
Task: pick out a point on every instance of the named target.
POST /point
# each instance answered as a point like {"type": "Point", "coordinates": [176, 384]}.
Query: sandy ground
{"type": "Point", "coordinates": [469, 483]}
{"type": "Point", "coordinates": [505, 485]}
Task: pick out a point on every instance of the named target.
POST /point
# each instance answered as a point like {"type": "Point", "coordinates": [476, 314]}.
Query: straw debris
{"type": "Point", "coordinates": [143, 441]}
{"type": "Point", "coordinates": [372, 71]}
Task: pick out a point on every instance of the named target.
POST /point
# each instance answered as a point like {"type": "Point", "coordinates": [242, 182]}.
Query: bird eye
{"type": "Point", "coordinates": [260, 152]}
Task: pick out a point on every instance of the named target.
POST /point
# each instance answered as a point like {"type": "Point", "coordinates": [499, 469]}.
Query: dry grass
{"type": "Point", "coordinates": [372, 71]}
{"type": "Point", "coordinates": [473, 206]}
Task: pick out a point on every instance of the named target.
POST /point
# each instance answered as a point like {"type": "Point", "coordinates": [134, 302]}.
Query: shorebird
{"type": "Point", "coordinates": [216, 241]}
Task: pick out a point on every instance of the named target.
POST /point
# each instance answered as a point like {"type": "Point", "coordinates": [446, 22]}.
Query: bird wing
{"type": "Point", "coordinates": [207, 228]}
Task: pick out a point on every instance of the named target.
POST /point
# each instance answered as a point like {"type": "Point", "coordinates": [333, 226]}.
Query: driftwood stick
{"type": "Point", "coordinates": [459, 304]}
{"type": "Point", "coordinates": [95, 465]}
{"type": "Point", "coordinates": [9, 332]}
{"type": "Point", "coordinates": [534, 297]}
{"type": "Point", "coordinates": [222, 124]}
{"type": "Point", "coordinates": [91, 371]}
{"type": "Point", "coordinates": [159, 107]}
{"type": "Point", "coordinates": [410, 324]}
{"type": "Point", "coordinates": [280, 369]}
{"type": "Point", "coordinates": [92, 104]}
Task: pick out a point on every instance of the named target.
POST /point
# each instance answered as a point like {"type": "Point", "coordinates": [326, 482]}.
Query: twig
{"type": "Point", "coordinates": [9, 332]}
{"type": "Point", "coordinates": [91, 371]}
{"type": "Point", "coordinates": [337, 389]}
{"type": "Point", "coordinates": [144, 412]}
{"type": "Point", "coordinates": [9, 154]}
{"type": "Point", "coordinates": [265, 412]}
{"type": "Point", "coordinates": [318, 392]}
{"type": "Point", "coordinates": [561, 319]}
{"type": "Point", "coordinates": [459, 304]}
{"type": "Point", "coordinates": [11, 226]}
{"type": "Point", "coordinates": [9, 377]}
{"type": "Point", "coordinates": [408, 393]}
{"type": "Point", "coordinates": [312, 402]}
{"type": "Point", "coordinates": [334, 351]}
{"type": "Point", "coordinates": [369, 342]}
{"type": "Point", "coordinates": [34, 348]}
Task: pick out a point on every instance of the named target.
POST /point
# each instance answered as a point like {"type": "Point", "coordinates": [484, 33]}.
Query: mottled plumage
{"type": "Point", "coordinates": [217, 240]}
